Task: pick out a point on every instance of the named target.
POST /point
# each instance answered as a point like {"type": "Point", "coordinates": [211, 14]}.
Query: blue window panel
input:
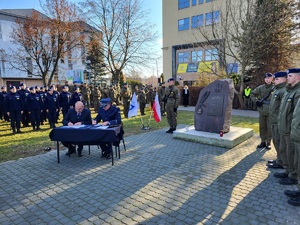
{"type": "Point", "coordinates": [201, 2]}
{"type": "Point", "coordinates": [183, 4]}
{"type": "Point", "coordinates": [197, 56]}
{"type": "Point", "coordinates": [197, 21]}
{"type": "Point", "coordinates": [211, 54]}
{"type": "Point", "coordinates": [192, 67]}
{"type": "Point", "coordinates": [194, 2]}
{"type": "Point", "coordinates": [183, 57]}
{"type": "Point", "coordinates": [212, 17]}
{"type": "Point", "coordinates": [232, 68]}
{"type": "Point", "coordinates": [184, 24]}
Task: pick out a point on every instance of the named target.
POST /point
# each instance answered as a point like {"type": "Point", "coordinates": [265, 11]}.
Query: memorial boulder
{"type": "Point", "coordinates": [214, 105]}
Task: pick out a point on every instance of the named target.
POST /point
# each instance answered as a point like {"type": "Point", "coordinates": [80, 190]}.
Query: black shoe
{"type": "Point", "coordinates": [280, 175]}
{"type": "Point", "coordinates": [19, 132]}
{"type": "Point", "coordinates": [294, 201]}
{"type": "Point", "coordinates": [71, 150]}
{"type": "Point", "coordinates": [108, 156]}
{"type": "Point", "coordinates": [268, 146]}
{"type": "Point", "coordinates": [274, 166]}
{"type": "Point", "coordinates": [288, 181]}
{"type": "Point", "coordinates": [292, 194]}
{"type": "Point", "coordinates": [33, 128]}
{"type": "Point", "coordinates": [262, 145]}
{"type": "Point", "coordinates": [104, 154]}
{"type": "Point", "coordinates": [38, 128]}
{"type": "Point", "coordinates": [272, 161]}
{"type": "Point", "coordinates": [170, 131]}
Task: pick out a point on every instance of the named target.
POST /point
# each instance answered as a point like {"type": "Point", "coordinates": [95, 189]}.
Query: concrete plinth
{"type": "Point", "coordinates": [229, 140]}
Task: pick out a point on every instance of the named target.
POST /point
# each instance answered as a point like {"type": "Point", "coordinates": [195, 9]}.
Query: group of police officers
{"type": "Point", "coordinates": [278, 103]}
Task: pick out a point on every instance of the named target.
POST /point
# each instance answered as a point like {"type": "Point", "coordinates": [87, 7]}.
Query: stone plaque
{"type": "Point", "coordinates": [214, 105]}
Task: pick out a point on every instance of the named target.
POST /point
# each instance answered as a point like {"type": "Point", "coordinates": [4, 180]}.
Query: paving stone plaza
{"type": "Point", "coordinates": [158, 180]}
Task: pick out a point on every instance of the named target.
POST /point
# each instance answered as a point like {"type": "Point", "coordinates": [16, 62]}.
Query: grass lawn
{"type": "Point", "coordinates": [31, 143]}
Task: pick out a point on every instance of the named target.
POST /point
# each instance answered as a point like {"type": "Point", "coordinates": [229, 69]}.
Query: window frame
{"type": "Point", "coordinates": [196, 24]}
{"type": "Point", "coordinates": [185, 25]}
{"type": "Point", "coordinates": [211, 54]}
{"type": "Point", "coordinates": [185, 58]}
{"type": "Point", "coordinates": [196, 57]}
{"type": "Point", "coordinates": [182, 4]}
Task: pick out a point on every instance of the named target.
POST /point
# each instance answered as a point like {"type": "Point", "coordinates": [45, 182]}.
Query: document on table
{"type": "Point", "coordinates": [74, 127]}
{"type": "Point", "coordinates": [101, 127]}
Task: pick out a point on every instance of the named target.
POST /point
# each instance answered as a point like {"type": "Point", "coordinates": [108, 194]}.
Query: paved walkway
{"type": "Point", "coordinates": [158, 180]}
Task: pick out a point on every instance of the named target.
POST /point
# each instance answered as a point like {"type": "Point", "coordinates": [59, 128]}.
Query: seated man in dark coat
{"type": "Point", "coordinates": [109, 115]}
{"type": "Point", "coordinates": [75, 117]}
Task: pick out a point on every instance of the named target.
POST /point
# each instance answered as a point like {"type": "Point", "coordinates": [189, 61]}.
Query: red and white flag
{"type": "Point", "coordinates": [156, 109]}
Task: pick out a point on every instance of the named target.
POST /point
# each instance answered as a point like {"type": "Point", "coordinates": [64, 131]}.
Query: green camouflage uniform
{"type": "Point", "coordinates": [142, 101]}
{"type": "Point", "coordinates": [286, 110]}
{"type": "Point", "coordinates": [96, 98]}
{"type": "Point", "coordinates": [295, 134]}
{"type": "Point", "coordinates": [173, 96]}
{"type": "Point", "coordinates": [264, 124]}
{"type": "Point", "coordinates": [161, 95]}
{"type": "Point", "coordinates": [274, 111]}
{"type": "Point", "coordinates": [126, 96]}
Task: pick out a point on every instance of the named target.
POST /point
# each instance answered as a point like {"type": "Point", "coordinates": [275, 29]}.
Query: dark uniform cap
{"type": "Point", "coordinates": [65, 86]}
{"type": "Point", "coordinates": [21, 84]}
{"type": "Point", "coordinates": [37, 87]}
{"type": "Point", "coordinates": [268, 75]}
{"type": "Point", "coordinates": [293, 70]}
{"type": "Point", "coordinates": [31, 88]}
{"type": "Point", "coordinates": [171, 79]}
{"type": "Point", "coordinates": [2, 87]}
{"type": "Point", "coordinates": [104, 102]}
{"type": "Point", "coordinates": [50, 88]}
{"type": "Point", "coordinates": [280, 74]}
{"type": "Point", "coordinates": [76, 87]}
{"type": "Point", "coordinates": [11, 87]}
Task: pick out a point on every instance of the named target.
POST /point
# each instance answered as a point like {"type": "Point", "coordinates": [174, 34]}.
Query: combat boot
{"type": "Point", "coordinates": [170, 131]}
{"type": "Point", "coordinates": [262, 145]}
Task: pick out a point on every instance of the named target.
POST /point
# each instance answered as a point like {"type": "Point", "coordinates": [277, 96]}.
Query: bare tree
{"type": "Point", "coordinates": [128, 35]}
{"type": "Point", "coordinates": [45, 40]}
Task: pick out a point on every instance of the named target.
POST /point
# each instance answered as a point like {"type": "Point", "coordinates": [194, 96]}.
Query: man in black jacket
{"type": "Point", "coordinates": [75, 117]}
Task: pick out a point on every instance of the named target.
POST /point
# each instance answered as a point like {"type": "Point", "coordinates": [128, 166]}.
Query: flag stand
{"type": "Point", "coordinates": [148, 126]}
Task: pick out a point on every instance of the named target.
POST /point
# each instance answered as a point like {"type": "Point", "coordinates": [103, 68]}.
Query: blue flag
{"type": "Point", "coordinates": [134, 107]}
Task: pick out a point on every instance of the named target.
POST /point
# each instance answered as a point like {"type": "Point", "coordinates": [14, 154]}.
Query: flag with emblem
{"type": "Point", "coordinates": [134, 107]}
{"type": "Point", "coordinates": [156, 109]}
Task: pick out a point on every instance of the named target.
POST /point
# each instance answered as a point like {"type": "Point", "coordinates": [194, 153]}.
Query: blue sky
{"type": "Point", "coordinates": [155, 7]}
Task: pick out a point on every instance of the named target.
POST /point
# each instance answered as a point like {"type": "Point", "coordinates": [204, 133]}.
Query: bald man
{"type": "Point", "coordinates": [75, 117]}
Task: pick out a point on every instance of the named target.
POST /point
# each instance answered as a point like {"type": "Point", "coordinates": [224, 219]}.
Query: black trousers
{"type": "Point", "coordinates": [15, 119]}
{"type": "Point", "coordinates": [35, 116]}
{"type": "Point", "coordinates": [106, 147]}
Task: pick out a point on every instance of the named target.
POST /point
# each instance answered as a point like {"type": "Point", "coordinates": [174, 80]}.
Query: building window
{"type": "Point", "coordinates": [194, 2]}
{"type": "Point", "coordinates": [211, 54]}
{"type": "Point", "coordinates": [29, 66]}
{"type": "Point", "coordinates": [183, 57]}
{"type": "Point", "coordinates": [197, 56]}
{"type": "Point", "coordinates": [184, 24]}
{"type": "Point", "coordinates": [197, 21]}
{"type": "Point", "coordinates": [183, 4]}
{"type": "Point", "coordinates": [201, 2]}
{"type": "Point", "coordinates": [212, 18]}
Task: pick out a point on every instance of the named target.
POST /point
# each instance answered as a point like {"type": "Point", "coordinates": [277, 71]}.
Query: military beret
{"type": "Point", "coordinates": [280, 74]}
{"type": "Point", "coordinates": [2, 87]}
{"type": "Point", "coordinates": [11, 87]}
{"type": "Point", "coordinates": [268, 75]}
{"type": "Point", "coordinates": [31, 88]}
{"type": "Point", "coordinates": [21, 84]}
{"type": "Point", "coordinates": [293, 70]}
{"type": "Point", "coordinates": [104, 102]}
{"type": "Point", "coordinates": [171, 79]}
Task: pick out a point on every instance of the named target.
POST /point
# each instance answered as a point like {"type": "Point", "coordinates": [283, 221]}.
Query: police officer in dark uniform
{"type": "Point", "coordinates": [3, 115]}
{"type": "Point", "coordinates": [14, 107]}
{"type": "Point", "coordinates": [23, 92]}
{"type": "Point", "coordinates": [76, 96]}
{"type": "Point", "coordinates": [109, 115]}
{"type": "Point", "coordinates": [65, 100]}
{"type": "Point", "coordinates": [34, 106]}
{"type": "Point", "coordinates": [57, 95]}
{"type": "Point", "coordinates": [51, 106]}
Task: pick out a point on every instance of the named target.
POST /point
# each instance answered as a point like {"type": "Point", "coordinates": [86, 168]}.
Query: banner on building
{"type": "Point", "coordinates": [207, 67]}
{"type": "Point", "coordinates": [182, 67]}
{"type": "Point", "coordinates": [75, 76]}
